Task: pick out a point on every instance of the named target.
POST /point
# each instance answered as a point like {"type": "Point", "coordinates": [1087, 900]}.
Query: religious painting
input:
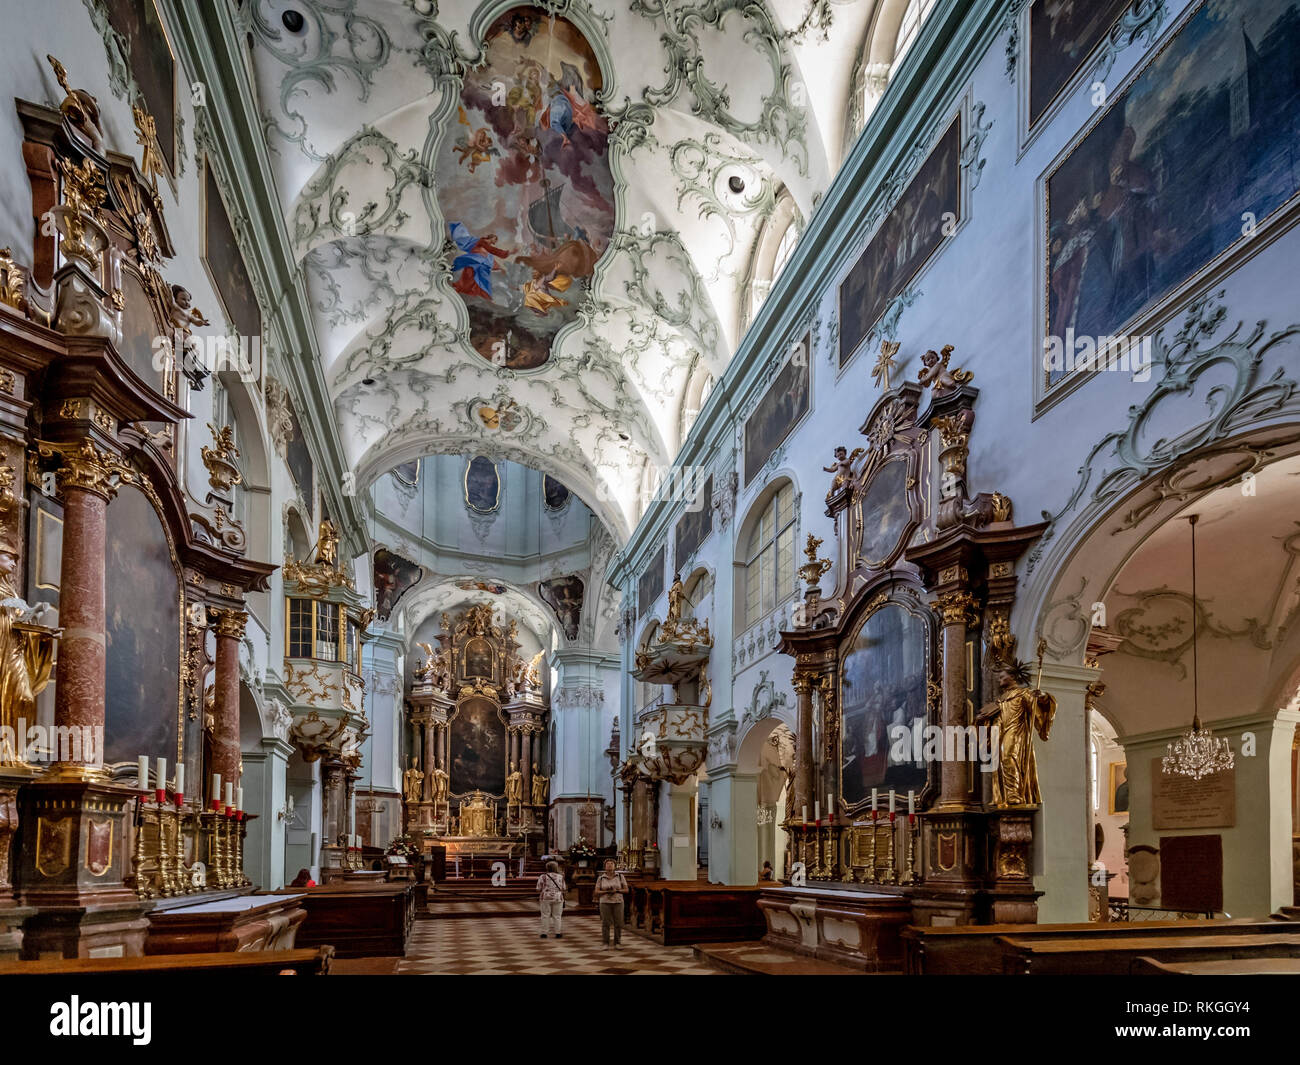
{"type": "Point", "coordinates": [564, 596]}
{"type": "Point", "coordinates": [1202, 148]}
{"type": "Point", "coordinates": [554, 493]}
{"type": "Point", "coordinates": [910, 233]}
{"type": "Point", "coordinates": [482, 485]}
{"type": "Point", "coordinates": [1062, 34]}
{"type": "Point", "coordinates": [140, 331]}
{"type": "Point", "coordinates": [1118, 788]}
{"type": "Point", "coordinates": [476, 584]}
{"type": "Point", "coordinates": [229, 273]}
{"type": "Point", "coordinates": [882, 702]}
{"type": "Point", "coordinates": [884, 513]}
{"type": "Point", "coordinates": [394, 577]}
{"type": "Point", "coordinates": [524, 183]}
{"type": "Point", "coordinates": [152, 65]}
{"type": "Point", "coordinates": [650, 585]}
{"type": "Point", "coordinates": [477, 748]}
{"type": "Point", "coordinates": [782, 408]}
{"type": "Point", "coordinates": [298, 458]}
{"type": "Point", "coordinates": [695, 525]}
{"type": "Point", "coordinates": [143, 634]}
{"type": "Point", "coordinates": [478, 659]}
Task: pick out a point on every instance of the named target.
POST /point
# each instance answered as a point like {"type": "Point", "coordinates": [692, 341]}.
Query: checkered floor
{"type": "Point", "coordinates": [509, 945]}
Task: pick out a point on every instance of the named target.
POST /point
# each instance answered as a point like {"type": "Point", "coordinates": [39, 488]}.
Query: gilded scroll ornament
{"type": "Point", "coordinates": [13, 280]}
{"type": "Point", "coordinates": [146, 135]}
{"type": "Point", "coordinates": [230, 623]}
{"type": "Point", "coordinates": [223, 474]}
{"type": "Point", "coordinates": [957, 608]}
{"type": "Point", "coordinates": [87, 467]}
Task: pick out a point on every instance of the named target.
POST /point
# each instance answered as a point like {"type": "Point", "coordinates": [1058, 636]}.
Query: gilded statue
{"type": "Point", "coordinates": [327, 544]}
{"type": "Point", "coordinates": [411, 781]}
{"type": "Point", "coordinates": [514, 786]}
{"type": "Point", "coordinates": [436, 669]}
{"type": "Point", "coordinates": [439, 787]}
{"type": "Point", "coordinates": [676, 597]}
{"type": "Point", "coordinates": [541, 785]}
{"type": "Point", "coordinates": [26, 653]}
{"type": "Point", "coordinates": [1018, 712]}
{"type": "Point", "coordinates": [936, 375]}
{"type": "Point", "coordinates": [842, 467]}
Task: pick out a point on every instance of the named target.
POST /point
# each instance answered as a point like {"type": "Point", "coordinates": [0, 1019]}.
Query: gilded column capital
{"type": "Point", "coordinates": [802, 682]}
{"type": "Point", "coordinates": [230, 623]}
{"type": "Point", "coordinates": [87, 467]}
{"type": "Point", "coordinates": [957, 608]}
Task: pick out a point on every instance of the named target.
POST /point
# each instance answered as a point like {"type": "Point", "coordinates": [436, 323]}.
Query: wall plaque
{"type": "Point", "coordinates": [1181, 802]}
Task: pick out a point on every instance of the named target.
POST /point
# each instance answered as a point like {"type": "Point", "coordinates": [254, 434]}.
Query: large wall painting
{"type": "Point", "coordinates": [477, 748]}
{"type": "Point", "coordinates": [882, 688]}
{"type": "Point", "coordinates": [143, 634]}
{"type": "Point", "coordinates": [695, 525]}
{"type": "Point", "coordinates": [394, 577]}
{"type": "Point", "coordinates": [1199, 151]}
{"type": "Point", "coordinates": [782, 408]}
{"type": "Point", "coordinates": [910, 233]}
{"type": "Point", "coordinates": [152, 65]}
{"type": "Point", "coordinates": [564, 596]}
{"type": "Point", "coordinates": [523, 180]}
{"type": "Point", "coordinates": [650, 585]}
{"type": "Point", "coordinates": [229, 273]}
{"type": "Point", "coordinates": [482, 485]}
{"type": "Point", "coordinates": [1062, 34]}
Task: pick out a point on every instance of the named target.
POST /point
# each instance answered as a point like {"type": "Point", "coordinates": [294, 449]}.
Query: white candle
{"type": "Point", "coordinates": [180, 778]}
{"type": "Point", "coordinates": [230, 793]}
{"type": "Point", "coordinates": [830, 805]}
{"type": "Point", "coordinates": [891, 800]}
{"type": "Point", "coordinates": [239, 799]}
{"type": "Point", "coordinates": [143, 772]}
{"type": "Point", "coordinates": [216, 787]}
{"type": "Point", "coordinates": [911, 803]}
{"type": "Point", "coordinates": [817, 810]}
{"type": "Point", "coordinates": [805, 815]}
{"type": "Point", "coordinates": [162, 774]}
{"type": "Point", "coordinates": [873, 800]}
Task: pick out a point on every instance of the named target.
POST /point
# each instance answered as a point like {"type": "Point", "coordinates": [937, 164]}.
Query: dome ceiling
{"type": "Point", "coordinates": [523, 229]}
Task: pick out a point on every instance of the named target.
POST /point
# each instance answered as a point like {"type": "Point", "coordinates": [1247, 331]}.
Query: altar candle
{"type": "Point", "coordinates": [805, 815]}
{"type": "Point", "coordinates": [143, 772]}
{"type": "Point", "coordinates": [230, 793]}
{"type": "Point", "coordinates": [911, 803]}
{"type": "Point", "coordinates": [180, 780]}
{"type": "Point", "coordinates": [216, 790]}
{"type": "Point", "coordinates": [817, 810]}
{"type": "Point", "coordinates": [161, 782]}
{"type": "Point", "coordinates": [891, 800]}
{"type": "Point", "coordinates": [830, 805]}
{"type": "Point", "coordinates": [239, 798]}
{"type": "Point", "coordinates": [873, 800]}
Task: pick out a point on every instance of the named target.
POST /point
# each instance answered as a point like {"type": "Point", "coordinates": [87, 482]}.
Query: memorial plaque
{"type": "Point", "coordinates": [1181, 802]}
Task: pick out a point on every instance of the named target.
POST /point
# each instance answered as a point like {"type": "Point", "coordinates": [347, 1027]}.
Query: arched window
{"type": "Point", "coordinates": [893, 31]}
{"type": "Point", "coordinates": [772, 250]}
{"type": "Point", "coordinates": [698, 387]}
{"type": "Point", "coordinates": [769, 556]}
{"type": "Point", "coordinates": [909, 27]}
{"type": "Point", "coordinates": [784, 249]}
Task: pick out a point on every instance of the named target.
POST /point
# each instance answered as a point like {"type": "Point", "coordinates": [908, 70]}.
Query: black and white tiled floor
{"type": "Point", "coordinates": [509, 945]}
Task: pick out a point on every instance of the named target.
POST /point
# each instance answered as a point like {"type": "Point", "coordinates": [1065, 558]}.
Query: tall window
{"type": "Point", "coordinates": [1096, 792]}
{"type": "Point", "coordinates": [910, 26]}
{"type": "Point", "coordinates": [769, 557]}
{"type": "Point", "coordinates": [783, 250]}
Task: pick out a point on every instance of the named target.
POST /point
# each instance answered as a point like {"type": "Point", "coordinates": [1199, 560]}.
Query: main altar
{"type": "Point", "coordinates": [478, 716]}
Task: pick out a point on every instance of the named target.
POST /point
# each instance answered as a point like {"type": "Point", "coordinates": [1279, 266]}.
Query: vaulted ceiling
{"type": "Point", "coordinates": [451, 172]}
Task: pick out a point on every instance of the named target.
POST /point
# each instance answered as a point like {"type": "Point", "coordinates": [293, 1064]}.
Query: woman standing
{"type": "Point", "coordinates": [610, 889]}
{"type": "Point", "coordinates": [550, 894]}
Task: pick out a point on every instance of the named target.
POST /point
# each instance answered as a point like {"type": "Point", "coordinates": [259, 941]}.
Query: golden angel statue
{"type": "Point", "coordinates": [1018, 712]}
{"type": "Point", "coordinates": [936, 375]}
{"type": "Point", "coordinates": [434, 670]}
{"type": "Point", "coordinates": [327, 544]}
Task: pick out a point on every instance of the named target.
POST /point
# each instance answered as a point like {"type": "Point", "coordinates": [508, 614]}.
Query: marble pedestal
{"type": "Point", "coordinates": [856, 928]}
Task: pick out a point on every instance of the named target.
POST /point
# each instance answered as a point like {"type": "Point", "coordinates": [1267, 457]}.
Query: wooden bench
{"type": "Point", "coordinates": [243, 923]}
{"type": "Point", "coordinates": [1092, 956]}
{"type": "Point", "coordinates": [1147, 966]}
{"type": "Point", "coordinates": [252, 963]}
{"type": "Point", "coordinates": [676, 912]}
{"type": "Point", "coordinates": [974, 949]}
{"type": "Point", "coordinates": [357, 918]}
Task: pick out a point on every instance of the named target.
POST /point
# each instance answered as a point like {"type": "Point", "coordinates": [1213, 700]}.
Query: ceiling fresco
{"type": "Point", "coordinates": [525, 229]}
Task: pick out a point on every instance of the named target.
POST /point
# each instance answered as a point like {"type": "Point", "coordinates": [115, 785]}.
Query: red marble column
{"type": "Point", "coordinates": [79, 676]}
{"type": "Point", "coordinates": [229, 631]}
{"type": "Point", "coordinates": [526, 766]}
{"type": "Point", "coordinates": [430, 758]}
{"type": "Point", "coordinates": [803, 756]}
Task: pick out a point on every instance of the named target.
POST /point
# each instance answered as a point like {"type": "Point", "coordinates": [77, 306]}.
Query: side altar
{"type": "Point", "coordinates": [478, 717]}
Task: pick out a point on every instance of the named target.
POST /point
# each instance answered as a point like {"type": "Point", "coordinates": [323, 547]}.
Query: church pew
{"type": "Point", "coordinates": [243, 923]}
{"type": "Point", "coordinates": [302, 962]}
{"type": "Point", "coordinates": [359, 919]}
{"type": "Point", "coordinates": [1148, 966]}
{"type": "Point", "coordinates": [1089, 956]}
{"type": "Point", "coordinates": [974, 949]}
{"type": "Point", "coordinates": [676, 912]}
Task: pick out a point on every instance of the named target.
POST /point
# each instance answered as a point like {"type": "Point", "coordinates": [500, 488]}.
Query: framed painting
{"type": "Point", "coordinates": [883, 673]}
{"type": "Point", "coordinates": [929, 208]}
{"type": "Point", "coordinates": [564, 596]}
{"type": "Point", "coordinates": [650, 585]}
{"type": "Point", "coordinates": [782, 407]}
{"type": "Point", "coordinates": [152, 65]}
{"type": "Point", "coordinates": [482, 485]}
{"type": "Point", "coordinates": [394, 577]}
{"type": "Point", "coordinates": [554, 494]}
{"type": "Point", "coordinates": [1117, 789]}
{"type": "Point", "coordinates": [477, 747]}
{"type": "Point", "coordinates": [695, 525]}
{"type": "Point", "coordinates": [1062, 35]}
{"type": "Point", "coordinates": [1196, 156]}
{"type": "Point", "coordinates": [229, 274]}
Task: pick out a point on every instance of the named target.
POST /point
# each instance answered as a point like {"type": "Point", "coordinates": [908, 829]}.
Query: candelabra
{"type": "Point", "coordinates": [872, 874]}
{"type": "Point", "coordinates": [143, 885]}
{"type": "Point", "coordinates": [891, 871]}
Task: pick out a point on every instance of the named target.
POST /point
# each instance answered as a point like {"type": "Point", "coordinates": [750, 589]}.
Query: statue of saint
{"type": "Point", "coordinates": [1018, 711]}
{"type": "Point", "coordinates": [676, 597]}
{"type": "Point", "coordinates": [514, 786]}
{"type": "Point", "coordinates": [327, 544]}
{"type": "Point", "coordinates": [540, 787]}
{"type": "Point", "coordinates": [26, 655]}
{"type": "Point", "coordinates": [439, 787]}
{"type": "Point", "coordinates": [411, 781]}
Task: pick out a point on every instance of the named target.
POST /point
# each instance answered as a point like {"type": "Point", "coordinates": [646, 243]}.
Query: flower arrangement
{"type": "Point", "coordinates": [404, 845]}
{"type": "Point", "coordinates": [582, 849]}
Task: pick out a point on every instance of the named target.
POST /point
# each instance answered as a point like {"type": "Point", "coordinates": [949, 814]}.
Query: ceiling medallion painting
{"type": "Point", "coordinates": [525, 186]}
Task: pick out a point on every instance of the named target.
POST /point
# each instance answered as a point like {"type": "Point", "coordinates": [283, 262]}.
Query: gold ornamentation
{"type": "Point", "coordinates": [230, 623]}
{"type": "Point", "coordinates": [1018, 711]}
{"type": "Point", "coordinates": [12, 282]}
{"type": "Point", "coordinates": [223, 474]}
{"type": "Point", "coordinates": [1001, 507]}
{"type": "Point", "coordinates": [957, 608]}
{"type": "Point", "coordinates": [842, 467]}
{"type": "Point", "coordinates": [79, 108]}
{"type": "Point", "coordinates": [8, 382]}
{"type": "Point", "coordinates": [327, 544]}
{"type": "Point", "coordinates": [436, 668]}
{"type": "Point", "coordinates": [815, 568]}
{"type": "Point", "coordinates": [71, 409]}
{"type": "Point", "coordinates": [1001, 642]}
{"type": "Point", "coordinates": [884, 364]}
{"type": "Point", "coordinates": [87, 467]}
{"type": "Point", "coordinates": [146, 135]}
{"type": "Point", "coordinates": [936, 375]}
{"type": "Point", "coordinates": [83, 196]}
{"type": "Point", "coordinates": [105, 420]}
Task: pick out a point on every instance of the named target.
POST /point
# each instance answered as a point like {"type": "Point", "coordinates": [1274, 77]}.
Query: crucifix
{"type": "Point", "coordinates": [885, 363]}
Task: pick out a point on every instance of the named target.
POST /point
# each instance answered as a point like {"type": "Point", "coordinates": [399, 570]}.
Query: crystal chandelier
{"type": "Point", "coordinates": [1198, 752]}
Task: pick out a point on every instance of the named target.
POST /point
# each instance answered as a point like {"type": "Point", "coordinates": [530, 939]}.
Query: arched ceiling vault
{"type": "Point", "coordinates": [700, 111]}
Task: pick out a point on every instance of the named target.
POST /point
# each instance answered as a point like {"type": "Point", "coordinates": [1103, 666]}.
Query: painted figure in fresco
{"type": "Point", "coordinates": [476, 147]}
{"type": "Point", "coordinates": [476, 261]}
{"type": "Point", "coordinates": [569, 108]}
{"type": "Point", "coordinates": [1019, 711]}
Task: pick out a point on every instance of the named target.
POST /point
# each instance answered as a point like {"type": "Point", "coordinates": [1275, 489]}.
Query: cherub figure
{"type": "Point", "coordinates": [842, 467]}
{"type": "Point", "coordinates": [936, 375]}
{"type": "Point", "coordinates": [476, 147]}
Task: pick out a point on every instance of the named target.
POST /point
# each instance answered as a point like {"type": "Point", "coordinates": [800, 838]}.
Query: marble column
{"type": "Point", "coordinates": [513, 757]}
{"type": "Point", "coordinates": [430, 757]}
{"type": "Point", "coordinates": [527, 764]}
{"type": "Point", "coordinates": [84, 480]}
{"type": "Point", "coordinates": [956, 609]}
{"type": "Point", "coordinates": [803, 769]}
{"type": "Point", "coordinates": [229, 631]}
{"type": "Point", "coordinates": [442, 748]}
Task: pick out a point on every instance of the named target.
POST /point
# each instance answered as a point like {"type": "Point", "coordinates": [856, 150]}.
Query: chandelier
{"type": "Point", "coordinates": [1198, 752]}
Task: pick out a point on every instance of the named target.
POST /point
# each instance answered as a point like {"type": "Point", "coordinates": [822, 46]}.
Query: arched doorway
{"type": "Point", "coordinates": [766, 755]}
